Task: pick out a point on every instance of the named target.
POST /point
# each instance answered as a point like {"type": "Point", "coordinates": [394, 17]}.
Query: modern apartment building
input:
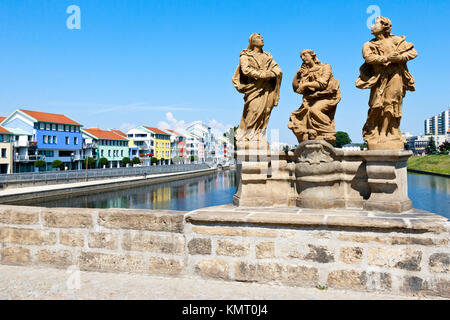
{"type": "Point", "coordinates": [152, 142]}
{"type": "Point", "coordinates": [203, 132]}
{"type": "Point", "coordinates": [177, 145]}
{"type": "Point", "coordinates": [6, 150]}
{"type": "Point", "coordinates": [439, 124]}
{"type": "Point", "coordinates": [106, 144]}
{"type": "Point", "coordinates": [43, 136]}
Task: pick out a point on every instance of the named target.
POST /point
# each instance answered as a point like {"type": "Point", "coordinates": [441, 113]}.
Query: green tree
{"type": "Point", "coordinates": [342, 139]}
{"type": "Point", "coordinates": [431, 146]}
{"type": "Point", "coordinates": [57, 164]}
{"type": "Point", "coordinates": [102, 162]}
{"type": "Point", "coordinates": [231, 135]}
{"type": "Point", "coordinates": [364, 146]}
{"type": "Point", "coordinates": [125, 161]}
{"type": "Point", "coordinates": [39, 164]}
{"type": "Point", "coordinates": [286, 148]}
{"type": "Point", "coordinates": [153, 160]}
{"type": "Point", "coordinates": [91, 162]}
{"type": "Point", "coordinates": [136, 160]}
{"type": "Point", "coordinates": [444, 147]}
{"type": "Point", "coordinates": [192, 159]}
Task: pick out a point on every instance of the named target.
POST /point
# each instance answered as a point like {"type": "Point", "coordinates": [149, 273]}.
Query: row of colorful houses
{"type": "Point", "coordinates": [28, 136]}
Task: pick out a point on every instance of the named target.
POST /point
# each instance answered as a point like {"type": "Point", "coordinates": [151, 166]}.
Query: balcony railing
{"type": "Point", "coordinates": [21, 144]}
{"type": "Point", "coordinates": [89, 145]}
{"type": "Point", "coordinates": [29, 157]}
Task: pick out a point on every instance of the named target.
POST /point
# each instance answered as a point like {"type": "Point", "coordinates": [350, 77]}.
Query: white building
{"type": "Point", "coordinates": [143, 140]}
{"type": "Point", "coordinates": [439, 124]}
{"type": "Point", "coordinates": [418, 143]}
{"type": "Point", "coordinates": [352, 147]}
{"type": "Point", "coordinates": [203, 132]}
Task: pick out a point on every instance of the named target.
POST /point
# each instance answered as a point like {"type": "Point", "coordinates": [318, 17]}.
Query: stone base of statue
{"type": "Point", "coordinates": [264, 179]}
{"type": "Point", "coordinates": [333, 178]}
{"type": "Point", "coordinates": [318, 176]}
{"type": "Point", "coordinates": [394, 143]}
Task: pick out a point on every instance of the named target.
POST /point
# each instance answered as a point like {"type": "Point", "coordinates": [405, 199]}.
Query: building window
{"type": "Point", "coordinates": [3, 152]}
{"type": "Point", "coordinates": [54, 127]}
{"type": "Point", "coordinates": [67, 140]}
{"type": "Point", "coordinates": [121, 153]}
{"type": "Point", "coordinates": [75, 140]}
{"type": "Point", "coordinates": [109, 153]}
{"type": "Point", "coordinates": [60, 127]}
{"type": "Point", "coordinates": [102, 153]}
{"type": "Point", "coordinates": [44, 139]}
{"type": "Point", "coordinates": [48, 126]}
{"type": "Point", "coordinates": [42, 126]}
{"type": "Point", "coordinates": [55, 141]}
{"type": "Point", "coordinates": [50, 139]}
{"type": "Point", "coordinates": [72, 128]}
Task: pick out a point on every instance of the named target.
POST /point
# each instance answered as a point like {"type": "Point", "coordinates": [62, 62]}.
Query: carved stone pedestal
{"type": "Point", "coordinates": [264, 179]}
{"type": "Point", "coordinates": [332, 178]}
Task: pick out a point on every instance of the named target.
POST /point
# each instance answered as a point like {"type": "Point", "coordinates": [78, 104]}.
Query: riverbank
{"type": "Point", "coordinates": [438, 163]}
{"type": "Point", "coordinates": [20, 195]}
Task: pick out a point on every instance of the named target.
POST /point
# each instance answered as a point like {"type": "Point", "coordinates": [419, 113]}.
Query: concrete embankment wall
{"type": "Point", "coordinates": [357, 253]}
{"type": "Point", "coordinates": [19, 180]}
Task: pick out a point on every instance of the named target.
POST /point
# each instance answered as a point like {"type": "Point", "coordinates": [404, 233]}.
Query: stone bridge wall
{"type": "Point", "coordinates": [406, 254]}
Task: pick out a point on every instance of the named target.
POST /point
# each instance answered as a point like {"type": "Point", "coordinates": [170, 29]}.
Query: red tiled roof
{"type": "Point", "coordinates": [174, 132]}
{"type": "Point", "coordinates": [104, 134]}
{"type": "Point", "coordinates": [50, 117]}
{"type": "Point", "coordinates": [120, 133]}
{"type": "Point", "coordinates": [3, 130]}
{"type": "Point", "coordinates": [2, 118]}
{"type": "Point", "coordinates": [156, 130]}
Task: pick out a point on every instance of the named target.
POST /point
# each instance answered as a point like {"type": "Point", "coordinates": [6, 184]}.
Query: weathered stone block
{"type": "Point", "coordinates": [266, 272]}
{"type": "Point", "coordinates": [412, 240]}
{"type": "Point", "coordinates": [440, 262]}
{"type": "Point", "coordinates": [229, 248]}
{"type": "Point", "coordinates": [57, 258]}
{"type": "Point", "coordinates": [71, 239]}
{"type": "Point", "coordinates": [265, 249]}
{"type": "Point", "coordinates": [246, 271]}
{"type": "Point", "coordinates": [413, 284]}
{"type": "Point", "coordinates": [158, 265]}
{"type": "Point", "coordinates": [199, 246]}
{"type": "Point", "coordinates": [103, 240]}
{"type": "Point", "coordinates": [170, 221]}
{"type": "Point", "coordinates": [379, 281]}
{"type": "Point", "coordinates": [347, 279]}
{"type": "Point", "coordinates": [213, 269]}
{"type": "Point", "coordinates": [111, 262]}
{"type": "Point", "coordinates": [361, 238]}
{"type": "Point", "coordinates": [407, 259]}
{"type": "Point", "coordinates": [139, 241]}
{"type": "Point", "coordinates": [61, 219]}
{"type": "Point", "coordinates": [320, 254]}
{"type": "Point", "coordinates": [27, 236]}
{"type": "Point", "coordinates": [351, 255]}
{"type": "Point", "coordinates": [234, 231]}
{"type": "Point", "coordinates": [15, 255]}
{"type": "Point", "coordinates": [19, 215]}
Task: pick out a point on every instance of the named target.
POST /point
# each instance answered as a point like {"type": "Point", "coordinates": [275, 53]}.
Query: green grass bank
{"type": "Point", "coordinates": [438, 163]}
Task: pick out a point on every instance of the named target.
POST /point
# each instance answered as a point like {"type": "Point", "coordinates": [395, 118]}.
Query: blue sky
{"type": "Point", "coordinates": [132, 62]}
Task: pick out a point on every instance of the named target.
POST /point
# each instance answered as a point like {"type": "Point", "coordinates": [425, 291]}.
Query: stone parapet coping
{"type": "Point", "coordinates": [413, 221]}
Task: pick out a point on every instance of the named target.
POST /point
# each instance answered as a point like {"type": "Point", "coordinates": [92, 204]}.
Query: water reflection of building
{"type": "Point", "coordinates": [161, 195]}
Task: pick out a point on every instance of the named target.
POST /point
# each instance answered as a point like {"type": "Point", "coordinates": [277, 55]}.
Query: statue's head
{"type": "Point", "coordinates": [382, 25]}
{"type": "Point", "coordinates": [308, 56]}
{"type": "Point", "coordinates": [255, 40]}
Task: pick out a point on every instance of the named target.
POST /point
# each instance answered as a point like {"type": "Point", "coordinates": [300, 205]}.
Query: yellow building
{"type": "Point", "coordinates": [6, 150]}
{"type": "Point", "coordinates": [161, 143]}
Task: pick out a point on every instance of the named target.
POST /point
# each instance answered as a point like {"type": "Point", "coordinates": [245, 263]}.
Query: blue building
{"type": "Point", "coordinates": [50, 137]}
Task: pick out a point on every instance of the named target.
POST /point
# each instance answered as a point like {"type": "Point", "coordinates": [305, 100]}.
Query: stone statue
{"type": "Point", "coordinates": [386, 74]}
{"type": "Point", "coordinates": [258, 77]}
{"type": "Point", "coordinates": [314, 120]}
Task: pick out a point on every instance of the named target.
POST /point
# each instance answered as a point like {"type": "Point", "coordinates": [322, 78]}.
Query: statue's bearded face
{"type": "Point", "coordinates": [377, 27]}
{"type": "Point", "coordinates": [258, 41]}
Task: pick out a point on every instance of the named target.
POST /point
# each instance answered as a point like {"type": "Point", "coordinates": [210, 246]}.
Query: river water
{"type": "Point", "coordinates": [431, 193]}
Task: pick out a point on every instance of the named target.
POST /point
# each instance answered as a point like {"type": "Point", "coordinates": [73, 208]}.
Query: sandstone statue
{"type": "Point", "coordinates": [258, 77]}
{"type": "Point", "coordinates": [386, 74]}
{"type": "Point", "coordinates": [314, 120]}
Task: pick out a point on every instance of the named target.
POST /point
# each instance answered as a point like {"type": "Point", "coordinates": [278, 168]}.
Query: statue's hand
{"type": "Point", "coordinates": [394, 57]}
{"type": "Point", "coordinates": [267, 75]}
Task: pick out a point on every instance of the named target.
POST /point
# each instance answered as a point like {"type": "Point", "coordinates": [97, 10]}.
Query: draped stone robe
{"type": "Point", "coordinates": [260, 95]}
